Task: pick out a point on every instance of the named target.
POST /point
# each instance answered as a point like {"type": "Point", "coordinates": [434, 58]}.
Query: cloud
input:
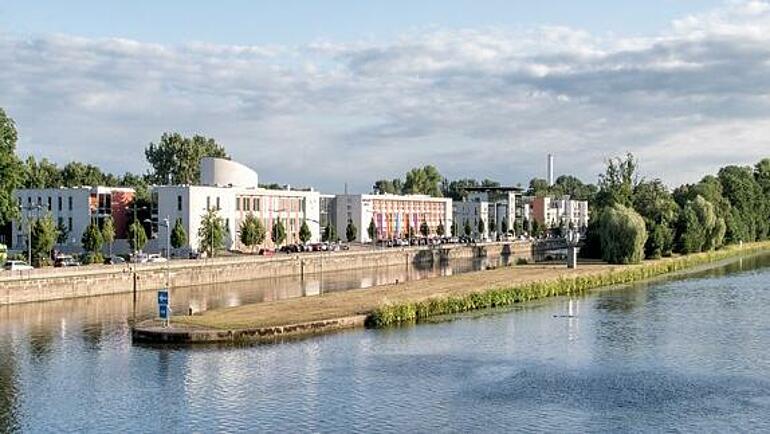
{"type": "Point", "coordinates": [475, 102]}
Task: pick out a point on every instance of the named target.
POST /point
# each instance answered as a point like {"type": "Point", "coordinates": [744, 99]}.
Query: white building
{"type": "Point", "coordinates": [393, 215]}
{"type": "Point", "coordinates": [72, 209]}
{"type": "Point", "coordinates": [232, 189]}
{"type": "Point", "coordinates": [554, 212]}
{"type": "Point", "coordinates": [494, 206]}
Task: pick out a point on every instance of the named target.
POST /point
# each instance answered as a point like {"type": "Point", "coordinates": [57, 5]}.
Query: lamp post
{"type": "Point", "coordinates": [135, 209]}
{"type": "Point", "coordinates": [29, 208]}
{"type": "Point", "coordinates": [573, 238]}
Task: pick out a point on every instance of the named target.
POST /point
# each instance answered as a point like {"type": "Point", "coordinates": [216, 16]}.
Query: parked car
{"type": "Point", "coordinates": [156, 258]}
{"type": "Point", "coordinates": [17, 266]}
{"type": "Point", "coordinates": [114, 260]}
{"type": "Point", "coordinates": [266, 252]}
{"type": "Point", "coordinates": [66, 261]}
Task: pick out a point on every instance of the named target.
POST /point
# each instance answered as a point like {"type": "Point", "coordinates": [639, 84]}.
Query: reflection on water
{"type": "Point", "coordinates": [683, 354]}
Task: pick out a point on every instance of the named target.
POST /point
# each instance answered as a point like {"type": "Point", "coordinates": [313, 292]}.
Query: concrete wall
{"type": "Point", "coordinates": [53, 284]}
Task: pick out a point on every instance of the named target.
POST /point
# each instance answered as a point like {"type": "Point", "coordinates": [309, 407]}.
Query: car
{"type": "Point", "coordinates": [17, 266]}
{"type": "Point", "coordinates": [66, 261]}
{"type": "Point", "coordinates": [114, 260]}
{"type": "Point", "coordinates": [267, 252]}
{"type": "Point", "coordinates": [156, 258]}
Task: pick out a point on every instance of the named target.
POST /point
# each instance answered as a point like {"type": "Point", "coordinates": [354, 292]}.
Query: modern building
{"type": "Point", "coordinates": [494, 206]}
{"type": "Point", "coordinates": [233, 190]}
{"type": "Point", "coordinates": [555, 212]}
{"type": "Point", "coordinates": [72, 208]}
{"type": "Point", "coordinates": [393, 215]}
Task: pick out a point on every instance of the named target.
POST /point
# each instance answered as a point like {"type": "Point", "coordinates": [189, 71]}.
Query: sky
{"type": "Point", "coordinates": [326, 93]}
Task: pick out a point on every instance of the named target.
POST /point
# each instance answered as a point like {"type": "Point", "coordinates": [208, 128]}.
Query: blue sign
{"type": "Point", "coordinates": [163, 297]}
{"type": "Point", "coordinates": [163, 311]}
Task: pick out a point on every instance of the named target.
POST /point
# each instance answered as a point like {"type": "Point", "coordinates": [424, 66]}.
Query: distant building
{"type": "Point", "coordinates": [71, 208]}
{"type": "Point", "coordinates": [495, 206]}
{"type": "Point", "coordinates": [554, 212]}
{"type": "Point", "coordinates": [232, 189]}
{"type": "Point", "coordinates": [393, 215]}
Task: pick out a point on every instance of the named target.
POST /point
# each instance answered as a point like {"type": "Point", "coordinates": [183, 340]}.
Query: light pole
{"type": "Point", "coordinates": [572, 238]}
{"type": "Point", "coordinates": [29, 208]}
{"type": "Point", "coordinates": [135, 209]}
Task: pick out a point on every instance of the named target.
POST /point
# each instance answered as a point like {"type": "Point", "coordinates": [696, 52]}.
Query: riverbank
{"type": "Point", "coordinates": [63, 283]}
{"type": "Point", "coordinates": [404, 302]}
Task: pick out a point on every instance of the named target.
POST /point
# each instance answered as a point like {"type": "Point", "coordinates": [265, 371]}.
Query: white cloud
{"type": "Point", "coordinates": [476, 102]}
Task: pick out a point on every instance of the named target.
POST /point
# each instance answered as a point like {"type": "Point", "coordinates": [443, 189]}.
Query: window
{"type": "Point", "coordinates": [59, 201]}
{"type": "Point", "coordinates": [179, 202]}
{"type": "Point", "coordinates": [256, 204]}
{"type": "Point", "coordinates": [69, 204]}
{"type": "Point", "coordinates": [69, 223]}
{"type": "Point", "coordinates": [218, 207]}
{"type": "Point", "coordinates": [29, 200]}
{"type": "Point", "coordinates": [39, 200]}
{"type": "Point", "coordinates": [50, 203]}
{"type": "Point", "coordinates": [208, 202]}
{"type": "Point", "coordinates": [238, 203]}
{"type": "Point", "coordinates": [246, 203]}
{"type": "Point", "coordinates": [60, 222]}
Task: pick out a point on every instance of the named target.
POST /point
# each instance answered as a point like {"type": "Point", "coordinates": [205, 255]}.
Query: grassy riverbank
{"type": "Point", "coordinates": [393, 304]}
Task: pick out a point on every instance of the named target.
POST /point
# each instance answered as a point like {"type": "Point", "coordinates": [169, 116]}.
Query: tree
{"type": "Point", "coordinates": [456, 188]}
{"type": "Point", "coordinates": [43, 239]}
{"type": "Point", "coordinates": [178, 234]}
{"type": "Point", "coordinates": [538, 228]}
{"type": "Point", "coordinates": [492, 225]}
{"type": "Point", "coordinates": [351, 231]}
{"type": "Point", "coordinates": [440, 230]}
{"type": "Point", "coordinates": [41, 175]}
{"type": "Point", "coordinates": [92, 242]}
{"type": "Point", "coordinates": [538, 187]}
{"type": "Point", "coordinates": [699, 228]}
{"type": "Point", "coordinates": [278, 232]}
{"type": "Point", "coordinates": [177, 158]}
{"type": "Point", "coordinates": [62, 234]}
{"type": "Point", "coordinates": [253, 232]}
{"type": "Point", "coordinates": [372, 230]}
{"type": "Point", "coordinates": [480, 227]}
{"type": "Point", "coordinates": [424, 229]}
{"type": "Point", "coordinates": [385, 186]}
{"type": "Point", "coordinates": [574, 188]}
{"type": "Point", "coordinates": [617, 184]}
{"type": "Point", "coordinates": [504, 226]}
{"type": "Point", "coordinates": [137, 237]}
{"type": "Point", "coordinates": [76, 174]}
{"type": "Point", "coordinates": [11, 169]}
{"type": "Point", "coordinates": [622, 233]}
{"type": "Point", "coordinates": [108, 232]}
{"type": "Point", "coordinates": [660, 211]}
{"type": "Point", "coordinates": [467, 228]}
{"type": "Point", "coordinates": [330, 233]}
{"type": "Point", "coordinates": [211, 233]}
{"type": "Point", "coordinates": [424, 180]}
{"type": "Point", "coordinates": [304, 232]}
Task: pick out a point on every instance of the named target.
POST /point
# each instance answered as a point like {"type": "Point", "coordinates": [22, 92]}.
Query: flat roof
{"type": "Point", "coordinates": [516, 189]}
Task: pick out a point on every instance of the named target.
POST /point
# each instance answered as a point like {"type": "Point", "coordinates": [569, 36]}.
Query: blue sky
{"type": "Point", "coordinates": [297, 22]}
{"type": "Point", "coordinates": [324, 93]}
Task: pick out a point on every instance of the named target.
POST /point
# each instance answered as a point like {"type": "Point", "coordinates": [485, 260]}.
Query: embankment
{"type": "Point", "coordinates": [394, 304]}
{"type": "Point", "coordinates": [54, 284]}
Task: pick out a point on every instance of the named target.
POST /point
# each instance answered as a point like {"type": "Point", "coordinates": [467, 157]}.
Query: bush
{"type": "Point", "coordinates": [521, 261]}
{"type": "Point", "coordinates": [622, 234]}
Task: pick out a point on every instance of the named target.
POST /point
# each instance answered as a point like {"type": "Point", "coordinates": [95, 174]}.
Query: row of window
{"type": "Point", "coordinates": [39, 202]}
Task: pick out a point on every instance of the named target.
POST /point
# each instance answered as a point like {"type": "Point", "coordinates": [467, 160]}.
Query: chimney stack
{"type": "Point", "coordinates": [550, 170]}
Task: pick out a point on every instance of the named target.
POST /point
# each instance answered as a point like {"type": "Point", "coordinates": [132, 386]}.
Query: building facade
{"type": "Point", "coordinates": [495, 207]}
{"type": "Point", "coordinates": [393, 215]}
{"type": "Point", "coordinates": [558, 212]}
{"type": "Point", "coordinates": [72, 209]}
{"type": "Point", "coordinates": [232, 190]}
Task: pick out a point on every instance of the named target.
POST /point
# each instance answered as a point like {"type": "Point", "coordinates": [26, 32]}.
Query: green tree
{"type": "Point", "coordinates": [623, 235]}
{"type": "Point", "coordinates": [424, 228]}
{"type": "Point", "coordinates": [385, 186]}
{"type": "Point", "coordinates": [41, 175]}
{"type": "Point", "coordinates": [92, 242]}
{"type": "Point", "coordinates": [456, 189]}
{"type": "Point", "coordinates": [137, 237]}
{"type": "Point", "coordinates": [372, 230]}
{"type": "Point", "coordinates": [574, 188]}
{"type": "Point", "coordinates": [492, 225]}
{"type": "Point", "coordinates": [504, 226]}
{"type": "Point", "coordinates": [424, 180]}
{"type": "Point", "coordinates": [699, 227]}
{"type": "Point", "coordinates": [351, 232]}
{"type": "Point", "coordinates": [747, 221]}
{"type": "Point", "coordinates": [108, 232]}
{"type": "Point", "coordinates": [480, 227]}
{"type": "Point", "coordinates": [330, 233]}
{"type": "Point", "coordinates": [253, 232]}
{"type": "Point", "coordinates": [11, 169]}
{"type": "Point", "coordinates": [440, 231]}
{"type": "Point", "coordinates": [304, 232]}
{"type": "Point", "coordinates": [278, 232]}
{"type": "Point", "coordinates": [178, 234]}
{"type": "Point", "coordinates": [76, 174]}
{"type": "Point", "coordinates": [211, 233]}
{"type": "Point", "coordinates": [617, 184]}
{"type": "Point", "coordinates": [177, 158]}
{"type": "Point", "coordinates": [43, 240]}
{"type": "Point", "coordinates": [660, 211]}
{"type": "Point", "coordinates": [467, 228]}
{"type": "Point", "coordinates": [62, 234]}
{"type": "Point", "coordinates": [3, 253]}
{"type": "Point", "coordinates": [538, 187]}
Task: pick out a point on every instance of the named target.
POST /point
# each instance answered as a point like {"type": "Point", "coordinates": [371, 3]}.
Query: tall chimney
{"type": "Point", "coordinates": [550, 170]}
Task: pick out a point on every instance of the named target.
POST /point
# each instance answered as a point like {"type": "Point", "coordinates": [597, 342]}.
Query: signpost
{"type": "Point", "coordinates": [164, 311]}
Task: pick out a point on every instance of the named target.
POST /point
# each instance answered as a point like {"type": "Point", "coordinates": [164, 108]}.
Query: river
{"type": "Point", "coordinates": [687, 353]}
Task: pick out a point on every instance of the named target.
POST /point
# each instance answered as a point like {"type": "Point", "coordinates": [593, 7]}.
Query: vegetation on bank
{"type": "Point", "coordinates": [410, 311]}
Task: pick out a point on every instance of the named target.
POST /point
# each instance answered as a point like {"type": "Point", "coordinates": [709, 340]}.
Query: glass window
{"type": "Point", "coordinates": [238, 203]}
{"type": "Point", "coordinates": [59, 202]}
{"type": "Point", "coordinates": [208, 202]}
{"type": "Point", "coordinates": [179, 202]}
{"type": "Point", "coordinates": [256, 204]}
{"type": "Point", "coordinates": [218, 207]}
{"type": "Point", "coordinates": [246, 203]}
{"type": "Point", "coordinates": [69, 203]}
{"type": "Point", "coordinates": [50, 203]}
{"type": "Point", "coordinates": [69, 223]}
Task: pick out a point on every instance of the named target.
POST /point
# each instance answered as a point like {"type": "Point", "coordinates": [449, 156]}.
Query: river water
{"type": "Point", "coordinates": [689, 353]}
